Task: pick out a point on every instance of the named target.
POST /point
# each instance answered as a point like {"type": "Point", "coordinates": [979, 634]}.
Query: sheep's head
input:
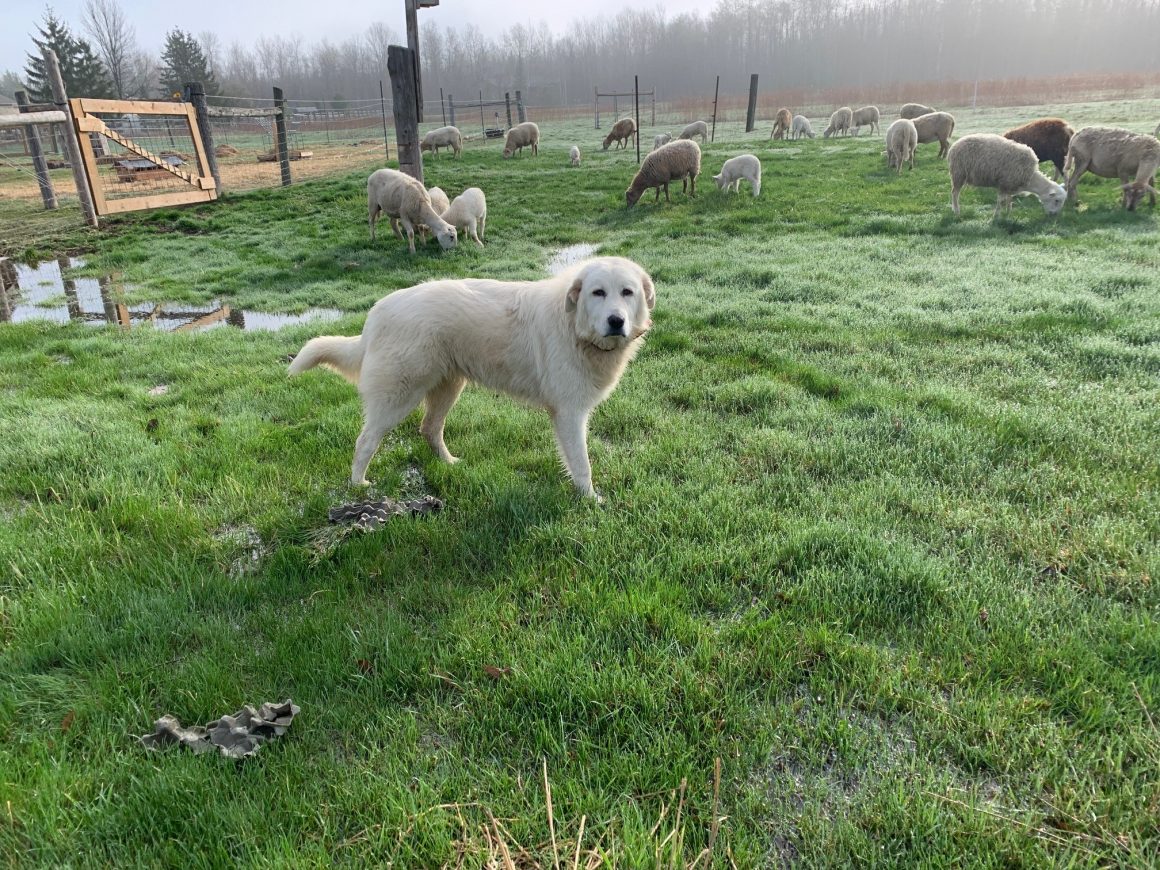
{"type": "Point", "coordinates": [632, 196]}
{"type": "Point", "coordinates": [718, 179]}
{"type": "Point", "coordinates": [1054, 199]}
{"type": "Point", "coordinates": [607, 142]}
{"type": "Point", "coordinates": [826, 133]}
{"type": "Point", "coordinates": [507, 152]}
{"type": "Point", "coordinates": [1134, 191]}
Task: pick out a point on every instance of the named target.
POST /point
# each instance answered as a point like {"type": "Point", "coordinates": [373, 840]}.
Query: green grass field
{"type": "Point", "coordinates": [880, 537]}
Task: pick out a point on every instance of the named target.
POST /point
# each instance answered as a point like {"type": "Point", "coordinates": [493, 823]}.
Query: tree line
{"type": "Point", "coordinates": [813, 44]}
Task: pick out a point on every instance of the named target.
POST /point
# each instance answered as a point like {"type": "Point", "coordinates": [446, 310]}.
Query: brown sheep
{"type": "Point", "coordinates": [781, 124]}
{"type": "Point", "coordinates": [677, 160]}
{"type": "Point", "coordinates": [621, 133]}
{"type": "Point", "coordinates": [1048, 138]}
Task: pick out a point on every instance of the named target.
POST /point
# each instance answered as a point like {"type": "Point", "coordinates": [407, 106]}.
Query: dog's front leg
{"type": "Point", "coordinates": [572, 438]}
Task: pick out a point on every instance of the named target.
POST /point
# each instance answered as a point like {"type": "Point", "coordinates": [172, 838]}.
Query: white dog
{"type": "Point", "coordinates": [560, 344]}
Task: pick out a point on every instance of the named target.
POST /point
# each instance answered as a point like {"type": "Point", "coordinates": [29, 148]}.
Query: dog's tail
{"type": "Point", "coordinates": [342, 353]}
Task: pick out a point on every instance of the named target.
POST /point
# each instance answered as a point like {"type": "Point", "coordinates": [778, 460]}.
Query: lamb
{"type": "Point", "coordinates": [520, 136]}
{"type": "Point", "coordinates": [680, 159]}
{"type": "Point", "coordinates": [697, 128]}
{"type": "Point", "coordinates": [781, 124]}
{"type": "Point", "coordinates": [1111, 152]}
{"type": "Point", "coordinates": [935, 125]}
{"type": "Point", "coordinates": [742, 167]}
{"type": "Point", "coordinates": [622, 131]}
{"type": "Point", "coordinates": [439, 203]}
{"type": "Point", "coordinates": [468, 212]}
{"type": "Point", "coordinates": [661, 139]}
{"type": "Point", "coordinates": [910, 111]}
{"type": "Point", "coordinates": [574, 155]}
{"type": "Point", "coordinates": [901, 143]}
{"type": "Point", "coordinates": [442, 137]}
{"type": "Point", "coordinates": [801, 127]}
{"type": "Point", "coordinates": [839, 122]}
{"type": "Point", "coordinates": [989, 160]}
{"type": "Point", "coordinates": [404, 200]}
{"type": "Point", "coordinates": [867, 115]}
{"type": "Point", "coordinates": [1048, 138]}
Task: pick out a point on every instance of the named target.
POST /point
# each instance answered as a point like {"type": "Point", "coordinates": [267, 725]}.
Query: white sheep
{"type": "Point", "coordinates": [697, 128]}
{"type": "Point", "coordinates": [442, 137]}
{"type": "Point", "coordinates": [914, 110]}
{"type": "Point", "coordinates": [404, 200]}
{"type": "Point", "coordinates": [521, 136]}
{"type": "Point", "coordinates": [680, 159]}
{"type": "Point", "coordinates": [1111, 152]}
{"type": "Point", "coordinates": [935, 125]}
{"type": "Point", "coordinates": [621, 133]}
{"type": "Point", "coordinates": [742, 167]}
{"type": "Point", "coordinates": [661, 139]}
{"type": "Point", "coordinates": [574, 155]}
{"type": "Point", "coordinates": [439, 203]}
{"type": "Point", "coordinates": [988, 160]}
{"type": "Point", "coordinates": [801, 127]}
{"type": "Point", "coordinates": [468, 212]}
{"type": "Point", "coordinates": [839, 122]}
{"type": "Point", "coordinates": [867, 115]}
{"type": "Point", "coordinates": [901, 143]}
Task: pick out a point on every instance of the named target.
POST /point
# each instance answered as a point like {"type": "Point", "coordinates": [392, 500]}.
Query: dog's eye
{"type": "Point", "coordinates": [598, 292]}
{"type": "Point", "coordinates": [627, 291]}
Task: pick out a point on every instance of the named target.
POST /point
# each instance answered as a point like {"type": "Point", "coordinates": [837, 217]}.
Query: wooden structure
{"type": "Point", "coordinates": [497, 131]}
{"type": "Point", "coordinates": [616, 96]}
{"type": "Point", "coordinates": [401, 67]}
{"type": "Point", "coordinates": [72, 145]}
{"type": "Point", "coordinates": [141, 169]}
{"type": "Point", "coordinates": [199, 183]}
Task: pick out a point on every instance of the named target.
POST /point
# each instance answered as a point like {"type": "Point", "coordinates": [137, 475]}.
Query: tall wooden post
{"type": "Point", "coordinates": [520, 112]}
{"type": "Point", "coordinates": [442, 107]}
{"type": "Point", "coordinates": [195, 93]}
{"type": "Point", "coordinates": [752, 110]}
{"type": "Point", "coordinates": [507, 99]}
{"type": "Point", "coordinates": [383, 109]}
{"type": "Point", "coordinates": [716, 91]}
{"type": "Point", "coordinates": [411, 10]}
{"type": "Point", "coordinates": [596, 106]}
{"type": "Point", "coordinates": [654, 106]}
{"type": "Point", "coordinates": [482, 123]}
{"type": "Point", "coordinates": [636, 105]}
{"type": "Point", "coordinates": [401, 68]}
{"type": "Point", "coordinates": [38, 162]}
{"type": "Point", "coordinates": [280, 145]}
{"type": "Point", "coordinates": [72, 146]}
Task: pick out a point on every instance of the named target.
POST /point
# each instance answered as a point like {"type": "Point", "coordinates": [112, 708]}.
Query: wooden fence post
{"type": "Point", "coordinates": [281, 149]}
{"type": "Point", "coordinates": [383, 109]}
{"type": "Point", "coordinates": [596, 106]}
{"type": "Point", "coordinates": [752, 110]}
{"type": "Point", "coordinates": [716, 91]}
{"type": "Point", "coordinates": [442, 106]}
{"type": "Point", "coordinates": [507, 98]}
{"type": "Point", "coordinates": [636, 106]}
{"type": "Point", "coordinates": [195, 93]}
{"type": "Point", "coordinates": [401, 68]}
{"type": "Point", "coordinates": [520, 112]}
{"type": "Point", "coordinates": [38, 162]}
{"type": "Point", "coordinates": [72, 147]}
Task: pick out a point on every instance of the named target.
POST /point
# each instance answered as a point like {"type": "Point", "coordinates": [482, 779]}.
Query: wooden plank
{"type": "Point", "coordinates": [136, 107]}
{"type": "Point", "coordinates": [32, 118]}
{"type": "Point", "coordinates": [89, 161]}
{"type": "Point", "coordinates": [205, 167]}
{"type": "Point", "coordinates": [162, 200]}
{"type": "Point", "coordinates": [205, 320]}
{"type": "Point", "coordinates": [60, 99]}
{"type": "Point", "coordinates": [202, 138]}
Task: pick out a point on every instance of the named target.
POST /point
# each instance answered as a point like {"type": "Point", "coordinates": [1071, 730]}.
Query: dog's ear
{"type": "Point", "coordinates": [650, 292]}
{"type": "Point", "coordinates": [573, 295]}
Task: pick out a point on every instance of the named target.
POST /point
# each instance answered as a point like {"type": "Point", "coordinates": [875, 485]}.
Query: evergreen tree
{"type": "Point", "coordinates": [184, 61]}
{"type": "Point", "coordinates": [81, 69]}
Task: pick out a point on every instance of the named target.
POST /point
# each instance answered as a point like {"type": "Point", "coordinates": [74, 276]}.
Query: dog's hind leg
{"type": "Point", "coordinates": [383, 411]}
{"type": "Point", "coordinates": [572, 437]}
{"type": "Point", "coordinates": [439, 402]}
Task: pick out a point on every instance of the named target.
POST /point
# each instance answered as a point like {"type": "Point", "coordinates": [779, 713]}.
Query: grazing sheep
{"type": "Point", "coordinates": [867, 115]}
{"type": "Point", "coordinates": [801, 127]}
{"type": "Point", "coordinates": [1111, 152]}
{"type": "Point", "coordinates": [468, 212]}
{"type": "Point", "coordinates": [736, 169]}
{"type": "Point", "coordinates": [520, 136]}
{"type": "Point", "coordinates": [901, 143]}
{"type": "Point", "coordinates": [781, 124]}
{"type": "Point", "coordinates": [1048, 138]}
{"type": "Point", "coordinates": [661, 139]}
{"type": "Point", "coordinates": [697, 128]}
{"type": "Point", "coordinates": [442, 137]}
{"type": "Point", "coordinates": [404, 200]}
{"type": "Point", "coordinates": [839, 122]}
{"type": "Point", "coordinates": [439, 203]}
{"type": "Point", "coordinates": [680, 159]}
{"type": "Point", "coordinates": [935, 125]}
{"type": "Point", "coordinates": [910, 111]}
{"type": "Point", "coordinates": [622, 131]}
{"type": "Point", "coordinates": [574, 155]}
{"type": "Point", "coordinates": [988, 160]}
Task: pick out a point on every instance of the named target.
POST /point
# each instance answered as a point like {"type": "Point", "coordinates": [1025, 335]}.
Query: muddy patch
{"type": "Point", "coordinates": [569, 256]}
{"type": "Point", "coordinates": [44, 292]}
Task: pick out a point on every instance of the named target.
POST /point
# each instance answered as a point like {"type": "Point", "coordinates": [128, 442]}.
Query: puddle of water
{"type": "Point", "coordinates": [36, 292]}
{"type": "Point", "coordinates": [569, 256]}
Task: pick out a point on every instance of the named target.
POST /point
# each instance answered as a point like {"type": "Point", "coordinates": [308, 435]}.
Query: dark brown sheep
{"type": "Point", "coordinates": [1048, 138]}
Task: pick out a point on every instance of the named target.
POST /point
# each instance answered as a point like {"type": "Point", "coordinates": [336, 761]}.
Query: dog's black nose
{"type": "Point", "coordinates": [615, 323]}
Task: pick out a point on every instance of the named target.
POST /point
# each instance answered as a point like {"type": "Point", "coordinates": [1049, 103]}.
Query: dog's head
{"type": "Point", "coordinates": [610, 298]}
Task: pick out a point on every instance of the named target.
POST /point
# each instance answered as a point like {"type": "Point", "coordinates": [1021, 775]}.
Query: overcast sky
{"type": "Point", "coordinates": [245, 21]}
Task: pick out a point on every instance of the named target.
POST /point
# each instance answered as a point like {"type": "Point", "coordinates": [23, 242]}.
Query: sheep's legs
{"type": "Point", "coordinates": [955, 190]}
{"type": "Point", "coordinates": [395, 227]}
{"type": "Point", "coordinates": [374, 216]}
{"type": "Point", "coordinates": [1078, 168]}
{"type": "Point", "coordinates": [410, 234]}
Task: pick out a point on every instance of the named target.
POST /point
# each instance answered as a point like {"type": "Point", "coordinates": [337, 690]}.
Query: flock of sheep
{"type": "Point", "coordinates": [1009, 163]}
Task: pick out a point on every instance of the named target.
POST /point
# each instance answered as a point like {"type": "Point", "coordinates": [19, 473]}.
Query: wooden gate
{"type": "Point", "coordinates": [142, 154]}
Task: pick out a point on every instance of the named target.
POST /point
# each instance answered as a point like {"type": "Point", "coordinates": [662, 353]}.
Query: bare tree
{"type": "Point", "coordinates": [106, 22]}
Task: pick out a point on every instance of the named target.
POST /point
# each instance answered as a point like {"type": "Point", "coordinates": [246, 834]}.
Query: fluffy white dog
{"type": "Point", "coordinates": [560, 344]}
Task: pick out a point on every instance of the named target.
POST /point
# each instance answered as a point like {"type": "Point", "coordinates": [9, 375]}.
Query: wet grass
{"type": "Point", "coordinates": [880, 535]}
